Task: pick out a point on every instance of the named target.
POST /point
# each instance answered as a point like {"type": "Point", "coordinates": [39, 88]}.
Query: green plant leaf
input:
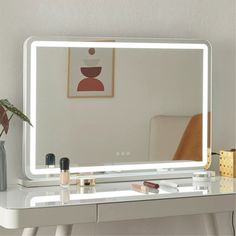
{"type": "Point", "coordinates": [10, 107]}
{"type": "Point", "coordinates": [4, 119]}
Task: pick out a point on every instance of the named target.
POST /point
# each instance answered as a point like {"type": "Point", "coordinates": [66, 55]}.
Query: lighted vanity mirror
{"type": "Point", "coordinates": [116, 104]}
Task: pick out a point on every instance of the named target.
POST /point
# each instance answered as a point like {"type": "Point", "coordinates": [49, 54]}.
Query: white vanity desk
{"type": "Point", "coordinates": [22, 207]}
{"type": "Point", "coordinates": [117, 109]}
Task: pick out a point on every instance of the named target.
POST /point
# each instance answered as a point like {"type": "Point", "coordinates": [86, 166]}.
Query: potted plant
{"type": "Point", "coordinates": [7, 111]}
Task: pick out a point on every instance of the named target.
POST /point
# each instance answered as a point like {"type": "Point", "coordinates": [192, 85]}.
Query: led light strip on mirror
{"type": "Point", "coordinates": [30, 78]}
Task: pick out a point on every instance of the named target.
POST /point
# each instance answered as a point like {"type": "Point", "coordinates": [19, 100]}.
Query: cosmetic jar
{"type": "Point", "coordinates": [203, 175]}
{"type": "Point", "coordinates": [65, 173]}
{"type": "Point", "coordinates": [50, 160]}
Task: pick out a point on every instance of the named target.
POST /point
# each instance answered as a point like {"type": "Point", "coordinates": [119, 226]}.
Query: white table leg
{"type": "Point", "coordinates": [64, 230]}
{"type": "Point", "coordinates": [30, 231]}
{"type": "Point", "coordinates": [210, 224]}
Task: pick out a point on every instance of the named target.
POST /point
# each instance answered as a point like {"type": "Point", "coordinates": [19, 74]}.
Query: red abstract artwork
{"type": "Point", "coordinates": [90, 83]}
{"type": "Point", "coordinates": [91, 72]}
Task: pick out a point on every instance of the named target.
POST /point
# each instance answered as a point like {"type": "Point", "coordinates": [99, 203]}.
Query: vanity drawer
{"type": "Point", "coordinates": [46, 216]}
{"type": "Point", "coordinates": [164, 208]}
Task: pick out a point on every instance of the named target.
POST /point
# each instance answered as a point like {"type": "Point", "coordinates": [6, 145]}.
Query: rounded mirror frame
{"type": "Point", "coordinates": [29, 133]}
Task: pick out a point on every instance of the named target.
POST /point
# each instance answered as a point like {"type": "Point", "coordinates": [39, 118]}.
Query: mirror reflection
{"type": "Point", "coordinates": [108, 106]}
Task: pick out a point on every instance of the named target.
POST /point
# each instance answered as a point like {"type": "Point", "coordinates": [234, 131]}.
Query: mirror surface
{"type": "Point", "coordinates": [114, 106]}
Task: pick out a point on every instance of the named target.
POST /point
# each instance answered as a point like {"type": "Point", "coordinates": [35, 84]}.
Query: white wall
{"type": "Point", "coordinates": [207, 19]}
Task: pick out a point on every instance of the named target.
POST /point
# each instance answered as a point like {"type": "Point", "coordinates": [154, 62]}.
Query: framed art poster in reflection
{"type": "Point", "coordinates": [90, 72]}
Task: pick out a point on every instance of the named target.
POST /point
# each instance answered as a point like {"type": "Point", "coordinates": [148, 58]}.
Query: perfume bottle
{"type": "Point", "coordinates": [65, 173]}
{"type": "Point", "coordinates": [50, 160]}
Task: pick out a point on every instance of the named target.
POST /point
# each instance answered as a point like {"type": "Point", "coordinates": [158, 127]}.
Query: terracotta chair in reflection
{"type": "Point", "coordinates": [190, 146]}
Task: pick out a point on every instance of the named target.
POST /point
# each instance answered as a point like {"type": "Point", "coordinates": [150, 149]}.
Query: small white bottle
{"type": "Point", "coordinates": [65, 173]}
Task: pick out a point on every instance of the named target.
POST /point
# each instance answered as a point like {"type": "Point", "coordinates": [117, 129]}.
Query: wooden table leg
{"type": "Point", "coordinates": [210, 224]}
{"type": "Point", "coordinates": [64, 230]}
{"type": "Point", "coordinates": [30, 231]}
